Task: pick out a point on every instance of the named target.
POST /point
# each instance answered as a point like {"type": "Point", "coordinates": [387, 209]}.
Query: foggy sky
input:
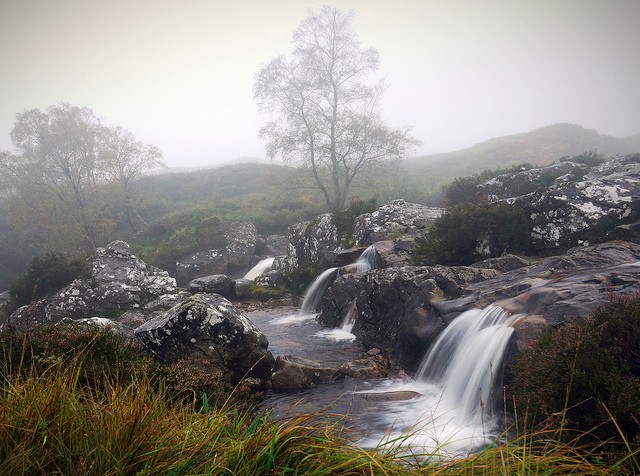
{"type": "Point", "coordinates": [179, 74]}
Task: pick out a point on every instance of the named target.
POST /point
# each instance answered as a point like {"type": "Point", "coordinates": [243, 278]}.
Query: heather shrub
{"type": "Point", "coordinates": [46, 274]}
{"type": "Point", "coordinates": [586, 374]}
{"type": "Point", "coordinates": [469, 232]}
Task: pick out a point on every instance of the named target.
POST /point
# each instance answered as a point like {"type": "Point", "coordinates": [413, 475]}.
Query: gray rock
{"type": "Point", "coordinates": [296, 373]}
{"type": "Point", "coordinates": [233, 260]}
{"type": "Point", "coordinates": [308, 241]}
{"type": "Point", "coordinates": [216, 284]}
{"type": "Point", "coordinates": [120, 281]}
{"type": "Point", "coordinates": [208, 331]}
{"type": "Point", "coordinates": [243, 288]}
{"type": "Point", "coordinates": [393, 220]}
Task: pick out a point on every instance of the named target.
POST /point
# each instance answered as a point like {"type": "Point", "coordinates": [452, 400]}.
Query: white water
{"type": "Point", "coordinates": [455, 413]}
{"type": "Point", "coordinates": [259, 268]}
{"type": "Point", "coordinates": [316, 290]}
{"type": "Point", "coordinates": [342, 333]}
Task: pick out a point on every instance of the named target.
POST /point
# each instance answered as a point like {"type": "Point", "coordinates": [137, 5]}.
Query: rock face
{"type": "Point", "coordinates": [582, 206]}
{"type": "Point", "coordinates": [233, 260]}
{"type": "Point", "coordinates": [208, 330]}
{"type": "Point", "coordinates": [308, 241]}
{"type": "Point", "coordinates": [296, 373]}
{"type": "Point", "coordinates": [392, 220]}
{"type": "Point", "coordinates": [402, 310]}
{"type": "Point", "coordinates": [394, 307]}
{"type": "Point", "coordinates": [120, 281]}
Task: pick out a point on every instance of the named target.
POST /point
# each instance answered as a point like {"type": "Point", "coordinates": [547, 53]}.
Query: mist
{"type": "Point", "coordinates": [179, 75]}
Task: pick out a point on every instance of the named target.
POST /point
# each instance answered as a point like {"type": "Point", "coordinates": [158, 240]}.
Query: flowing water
{"type": "Point", "coordinates": [259, 268]}
{"type": "Point", "coordinates": [453, 412]}
{"type": "Point", "coordinates": [447, 409]}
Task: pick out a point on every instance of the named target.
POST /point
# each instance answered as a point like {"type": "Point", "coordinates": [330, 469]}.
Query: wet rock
{"type": "Point", "coordinates": [393, 220]}
{"type": "Point", "coordinates": [395, 396]}
{"type": "Point", "coordinates": [292, 373]}
{"type": "Point", "coordinates": [214, 284]}
{"type": "Point", "coordinates": [243, 288]}
{"type": "Point", "coordinates": [503, 263]}
{"type": "Point", "coordinates": [234, 259]}
{"type": "Point", "coordinates": [308, 241]}
{"type": "Point", "coordinates": [120, 282]}
{"type": "Point", "coordinates": [208, 331]}
{"type": "Point", "coordinates": [393, 306]}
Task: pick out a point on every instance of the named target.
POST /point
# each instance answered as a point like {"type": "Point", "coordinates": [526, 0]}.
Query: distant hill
{"type": "Point", "coordinates": [539, 147]}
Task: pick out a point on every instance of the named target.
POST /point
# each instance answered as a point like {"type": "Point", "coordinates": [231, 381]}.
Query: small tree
{"type": "Point", "coordinates": [327, 111]}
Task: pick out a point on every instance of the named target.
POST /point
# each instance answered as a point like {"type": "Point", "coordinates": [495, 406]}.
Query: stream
{"type": "Point", "coordinates": [448, 418]}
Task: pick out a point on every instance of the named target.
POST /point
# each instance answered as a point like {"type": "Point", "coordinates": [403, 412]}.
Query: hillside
{"type": "Point", "coordinates": [538, 147]}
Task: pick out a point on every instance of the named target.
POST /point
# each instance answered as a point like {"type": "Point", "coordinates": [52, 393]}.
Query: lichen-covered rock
{"type": "Point", "coordinates": [394, 308]}
{"type": "Point", "coordinates": [308, 241]}
{"type": "Point", "coordinates": [521, 183]}
{"type": "Point", "coordinates": [215, 284]}
{"type": "Point", "coordinates": [210, 332]}
{"type": "Point", "coordinates": [234, 259]}
{"type": "Point", "coordinates": [393, 220]}
{"type": "Point", "coordinates": [120, 281]}
{"type": "Point", "coordinates": [584, 209]}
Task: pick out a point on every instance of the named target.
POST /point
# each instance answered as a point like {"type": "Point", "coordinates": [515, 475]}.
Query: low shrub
{"type": "Point", "coordinates": [586, 374]}
{"type": "Point", "coordinates": [469, 232]}
{"type": "Point", "coordinates": [46, 274]}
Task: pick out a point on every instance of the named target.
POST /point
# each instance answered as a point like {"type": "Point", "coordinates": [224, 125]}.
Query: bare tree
{"type": "Point", "coordinates": [326, 107]}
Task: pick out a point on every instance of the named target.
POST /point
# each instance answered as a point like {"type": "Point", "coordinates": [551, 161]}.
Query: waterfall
{"type": "Point", "coordinates": [259, 268]}
{"type": "Point", "coordinates": [342, 333]}
{"type": "Point", "coordinates": [457, 380]}
{"type": "Point", "coordinates": [315, 291]}
{"type": "Point", "coordinates": [366, 260]}
{"type": "Point", "coordinates": [466, 357]}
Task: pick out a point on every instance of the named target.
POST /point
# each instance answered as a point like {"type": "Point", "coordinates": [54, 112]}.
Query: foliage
{"type": "Point", "coordinates": [590, 158]}
{"type": "Point", "coordinates": [465, 189]}
{"type": "Point", "coordinates": [174, 236]}
{"type": "Point", "coordinates": [326, 106]}
{"type": "Point", "coordinates": [265, 293]}
{"type": "Point", "coordinates": [300, 277]}
{"type": "Point", "coordinates": [46, 274]}
{"type": "Point", "coordinates": [469, 232]}
{"type": "Point", "coordinates": [343, 219]}
{"type": "Point", "coordinates": [586, 374]}
{"type": "Point", "coordinates": [53, 186]}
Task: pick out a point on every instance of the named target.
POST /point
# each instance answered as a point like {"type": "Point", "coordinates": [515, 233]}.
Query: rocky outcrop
{"type": "Point", "coordinates": [216, 284]}
{"type": "Point", "coordinates": [120, 281]}
{"type": "Point", "coordinates": [308, 241]}
{"type": "Point", "coordinates": [394, 307]}
{"type": "Point", "coordinates": [234, 259]}
{"type": "Point", "coordinates": [208, 331]}
{"type": "Point", "coordinates": [393, 220]}
{"type": "Point", "coordinates": [584, 206]}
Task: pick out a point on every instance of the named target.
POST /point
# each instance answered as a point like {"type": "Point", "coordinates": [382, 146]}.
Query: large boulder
{"type": "Point", "coordinates": [393, 220]}
{"type": "Point", "coordinates": [234, 259]}
{"type": "Point", "coordinates": [120, 281]}
{"type": "Point", "coordinates": [210, 332]}
{"type": "Point", "coordinates": [215, 284]}
{"type": "Point", "coordinates": [394, 307]}
{"type": "Point", "coordinates": [586, 207]}
{"type": "Point", "coordinates": [308, 241]}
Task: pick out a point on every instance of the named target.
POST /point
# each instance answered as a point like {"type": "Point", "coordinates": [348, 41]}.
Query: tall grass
{"type": "Point", "coordinates": [55, 420]}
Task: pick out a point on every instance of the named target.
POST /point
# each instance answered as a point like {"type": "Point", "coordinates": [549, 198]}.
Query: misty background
{"type": "Point", "coordinates": [179, 74]}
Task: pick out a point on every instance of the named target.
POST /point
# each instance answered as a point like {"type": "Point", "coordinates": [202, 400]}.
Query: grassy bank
{"type": "Point", "coordinates": [85, 402]}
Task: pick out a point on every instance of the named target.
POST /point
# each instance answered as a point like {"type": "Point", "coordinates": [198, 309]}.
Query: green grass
{"type": "Point", "coordinates": [58, 416]}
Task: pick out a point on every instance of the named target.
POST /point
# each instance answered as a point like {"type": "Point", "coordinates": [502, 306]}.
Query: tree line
{"type": "Point", "coordinates": [69, 183]}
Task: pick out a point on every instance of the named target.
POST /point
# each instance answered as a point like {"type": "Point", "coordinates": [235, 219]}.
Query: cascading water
{"type": "Point", "coordinates": [366, 260]}
{"type": "Point", "coordinates": [259, 268]}
{"type": "Point", "coordinates": [315, 292]}
{"type": "Point", "coordinates": [457, 379]}
{"type": "Point", "coordinates": [342, 333]}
